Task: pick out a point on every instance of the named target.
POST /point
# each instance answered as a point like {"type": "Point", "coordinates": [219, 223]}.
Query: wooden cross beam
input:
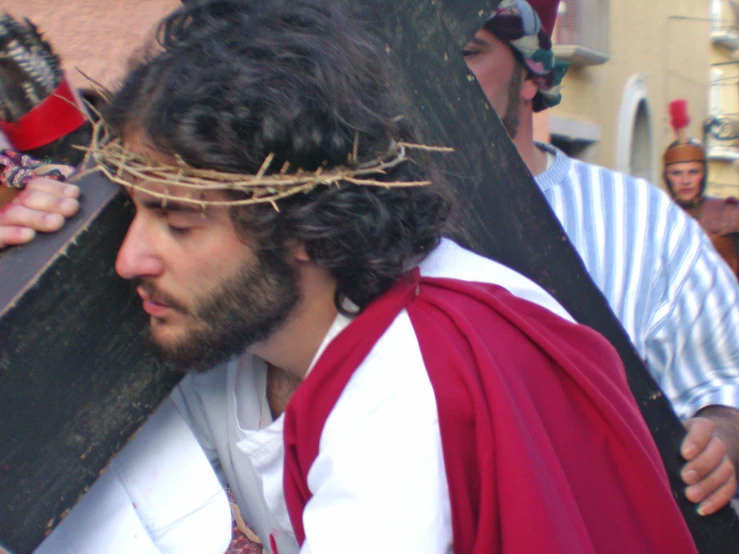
{"type": "Point", "coordinates": [76, 378]}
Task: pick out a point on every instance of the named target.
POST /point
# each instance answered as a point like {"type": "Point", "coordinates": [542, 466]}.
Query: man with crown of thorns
{"type": "Point", "coordinates": [355, 377]}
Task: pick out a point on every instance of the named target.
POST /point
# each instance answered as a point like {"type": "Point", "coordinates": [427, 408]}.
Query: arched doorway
{"type": "Point", "coordinates": [641, 151]}
{"type": "Point", "coordinates": [634, 144]}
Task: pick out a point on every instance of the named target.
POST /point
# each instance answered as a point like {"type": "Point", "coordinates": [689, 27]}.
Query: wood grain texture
{"type": "Point", "coordinates": [76, 377]}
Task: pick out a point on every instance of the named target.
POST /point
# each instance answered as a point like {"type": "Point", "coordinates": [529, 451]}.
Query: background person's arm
{"type": "Point", "coordinates": [711, 448]}
{"type": "Point", "coordinates": [693, 345]}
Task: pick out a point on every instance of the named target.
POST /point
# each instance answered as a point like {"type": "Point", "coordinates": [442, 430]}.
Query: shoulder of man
{"type": "Point", "coordinates": [451, 261]}
{"type": "Point", "coordinates": [605, 174]}
{"type": "Point", "coordinates": [656, 201]}
{"type": "Point", "coordinates": [731, 215]}
{"type": "Point", "coordinates": [201, 399]}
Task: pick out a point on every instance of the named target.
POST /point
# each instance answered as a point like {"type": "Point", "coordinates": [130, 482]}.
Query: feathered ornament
{"type": "Point", "coordinates": [684, 149]}
{"type": "Point", "coordinates": [39, 112]}
{"type": "Point", "coordinates": [679, 118]}
{"type": "Point", "coordinates": [29, 69]}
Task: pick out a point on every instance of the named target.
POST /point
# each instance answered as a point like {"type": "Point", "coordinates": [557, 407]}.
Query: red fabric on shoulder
{"type": "Point", "coordinates": [544, 447]}
{"type": "Point", "coordinates": [314, 399]}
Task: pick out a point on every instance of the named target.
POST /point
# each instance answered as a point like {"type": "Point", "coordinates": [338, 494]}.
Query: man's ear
{"type": "Point", "coordinates": [528, 88]}
{"type": "Point", "coordinates": [299, 252]}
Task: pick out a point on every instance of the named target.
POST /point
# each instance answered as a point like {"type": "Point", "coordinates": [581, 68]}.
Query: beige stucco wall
{"type": "Point", "coordinates": [96, 36]}
{"type": "Point", "coordinates": [665, 41]}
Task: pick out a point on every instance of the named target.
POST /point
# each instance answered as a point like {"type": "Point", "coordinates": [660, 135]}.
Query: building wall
{"type": "Point", "coordinates": [97, 37]}
{"type": "Point", "coordinates": [660, 49]}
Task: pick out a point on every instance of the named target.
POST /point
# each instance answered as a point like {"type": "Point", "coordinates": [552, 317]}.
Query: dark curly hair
{"type": "Point", "coordinates": [236, 80]}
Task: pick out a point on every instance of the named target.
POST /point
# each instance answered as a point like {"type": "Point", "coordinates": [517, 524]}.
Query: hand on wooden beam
{"type": "Point", "coordinates": [711, 449]}
{"type": "Point", "coordinates": [42, 206]}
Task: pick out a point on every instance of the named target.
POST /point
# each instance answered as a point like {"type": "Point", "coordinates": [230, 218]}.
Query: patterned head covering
{"type": "Point", "coordinates": [517, 22]}
{"type": "Point", "coordinates": [547, 12]}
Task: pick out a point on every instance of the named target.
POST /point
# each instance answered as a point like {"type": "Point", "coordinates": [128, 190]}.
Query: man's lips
{"type": "Point", "coordinates": [151, 306]}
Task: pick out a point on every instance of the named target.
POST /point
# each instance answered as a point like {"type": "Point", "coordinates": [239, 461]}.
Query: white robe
{"type": "Point", "coordinates": [380, 466]}
{"type": "Point", "coordinates": [159, 495]}
{"type": "Point", "coordinates": [378, 483]}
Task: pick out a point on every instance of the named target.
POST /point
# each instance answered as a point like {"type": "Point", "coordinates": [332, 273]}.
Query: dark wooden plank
{"type": "Point", "coordinates": [6, 195]}
{"type": "Point", "coordinates": [19, 266]}
{"type": "Point", "coordinates": [76, 378]}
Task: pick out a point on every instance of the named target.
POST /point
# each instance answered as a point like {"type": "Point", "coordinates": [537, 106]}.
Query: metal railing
{"type": "Point", "coordinates": [721, 137]}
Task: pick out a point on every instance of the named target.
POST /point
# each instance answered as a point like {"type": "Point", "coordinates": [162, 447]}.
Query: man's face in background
{"type": "Point", "coordinates": [685, 180]}
{"type": "Point", "coordinates": [500, 76]}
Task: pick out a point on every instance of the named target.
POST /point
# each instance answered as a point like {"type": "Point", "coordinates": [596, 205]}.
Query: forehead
{"type": "Point", "coordinates": [495, 57]}
{"type": "Point", "coordinates": [137, 142]}
{"type": "Point", "coordinates": [154, 196]}
{"type": "Point", "coordinates": [680, 167]}
{"type": "Point", "coordinates": [150, 192]}
{"type": "Point", "coordinates": [485, 39]}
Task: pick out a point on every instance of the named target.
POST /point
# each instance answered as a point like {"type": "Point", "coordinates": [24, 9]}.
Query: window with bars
{"type": "Point", "coordinates": [721, 128]}
{"type": "Point", "coordinates": [725, 27]}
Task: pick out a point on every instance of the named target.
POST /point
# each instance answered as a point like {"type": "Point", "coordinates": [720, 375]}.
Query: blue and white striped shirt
{"type": "Point", "coordinates": [674, 295]}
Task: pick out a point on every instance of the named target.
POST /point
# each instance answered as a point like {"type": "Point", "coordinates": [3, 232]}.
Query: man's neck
{"type": "Point", "coordinates": [693, 204]}
{"type": "Point", "coordinates": [280, 387]}
{"type": "Point", "coordinates": [534, 158]}
{"type": "Point", "coordinates": [294, 345]}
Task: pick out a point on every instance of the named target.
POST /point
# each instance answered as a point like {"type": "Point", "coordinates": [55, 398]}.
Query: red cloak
{"type": "Point", "coordinates": [544, 447]}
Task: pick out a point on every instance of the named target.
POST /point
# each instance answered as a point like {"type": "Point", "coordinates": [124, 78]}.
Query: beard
{"type": "Point", "coordinates": [511, 118]}
{"type": "Point", "coordinates": [245, 309]}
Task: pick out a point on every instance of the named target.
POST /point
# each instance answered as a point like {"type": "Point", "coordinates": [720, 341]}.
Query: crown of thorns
{"type": "Point", "coordinates": [118, 163]}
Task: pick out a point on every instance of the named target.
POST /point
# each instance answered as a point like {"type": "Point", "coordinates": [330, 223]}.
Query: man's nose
{"type": "Point", "coordinates": [137, 256]}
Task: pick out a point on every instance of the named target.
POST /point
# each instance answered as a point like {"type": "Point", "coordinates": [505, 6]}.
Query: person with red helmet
{"type": "Point", "coordinates": [685, 175]}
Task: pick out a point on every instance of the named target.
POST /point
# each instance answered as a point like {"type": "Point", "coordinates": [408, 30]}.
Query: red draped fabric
{"type": "Point", "coordinates": [544, 448]}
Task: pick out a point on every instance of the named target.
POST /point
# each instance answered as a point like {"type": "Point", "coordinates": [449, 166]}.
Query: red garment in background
{"type": "Point", "coordinates": [544, 447]}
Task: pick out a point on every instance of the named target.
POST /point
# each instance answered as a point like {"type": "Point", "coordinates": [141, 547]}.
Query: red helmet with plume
{"type": "Point", "coordinates": [683, 149]}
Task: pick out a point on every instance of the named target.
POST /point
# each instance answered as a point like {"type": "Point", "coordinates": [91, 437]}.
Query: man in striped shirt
{"type": "Point", "coordinates": [674, 296]}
